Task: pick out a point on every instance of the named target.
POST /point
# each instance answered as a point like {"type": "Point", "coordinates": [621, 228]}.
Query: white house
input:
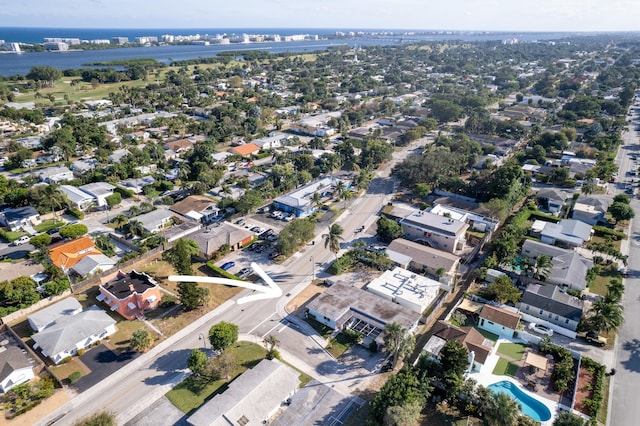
{"type": "Point", "coordinates": [99, 191]}
{"type": "Point", "coordinates": [15, 367]}
{"type": "Point", "coordinates": [567, 232]}
{"type": "Point", "coordinates": [20, 217]}
{"type": "Point", "coordinates": [498, 321]}
{"type": "Point", "coordinates": [55, 174]}
{"type": "Point", "coordinates": [70, 333]}
{"type": "Point", "coordinates": [80, 199]}
{"type": "Point", "coordinates": [251, 399]}
{"type": "Point", "coordinates": [155, 221]}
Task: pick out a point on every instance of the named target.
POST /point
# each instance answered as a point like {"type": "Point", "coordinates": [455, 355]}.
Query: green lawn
{"type": "Point", "coordinates": [192, 392]}
{"type": "Point", "coordinates": [338, 346]}
{"type": "Point", "coordinates": [505, 368]}
{"type": "Point", "coordinates": [487, 334]}
{"type": "Point", "coordinates": [48, 224]}
{"type": "Point", "coordinates": [512, 350]}
{"type": "Point", "coordinates": [601, 283]}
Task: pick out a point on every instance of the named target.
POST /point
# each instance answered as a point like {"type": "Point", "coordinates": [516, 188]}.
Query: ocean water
{"type": "Point", "coordinates": [12, 64]}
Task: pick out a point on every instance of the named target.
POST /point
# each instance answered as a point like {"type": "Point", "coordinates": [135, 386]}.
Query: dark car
{"type": "Point", "coordinates": [228, 266]}
{"type": "Point", "coordinates": [273, 255]}
{"type": "Point", "coordinates": [53, 231]}
{"type": "Point", "coordinates": [244, 272]}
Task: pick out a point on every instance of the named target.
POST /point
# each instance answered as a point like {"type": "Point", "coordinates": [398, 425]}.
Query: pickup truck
{"type": "Point", "coordinates": [593, 338]}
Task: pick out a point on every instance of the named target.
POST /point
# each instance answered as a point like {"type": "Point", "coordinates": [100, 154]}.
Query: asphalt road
{"type": "Point", "coordinates": [624, 408]}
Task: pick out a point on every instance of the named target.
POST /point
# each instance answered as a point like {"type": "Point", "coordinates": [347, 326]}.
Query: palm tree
{"type": "Point", "coordinates": [134, 228]}
{"type": "Point", "coordinates": [398, 341]}
{"type": "Point", "coordinates": [316, 198]}
{"type": "Point", "coordinates": [542, 267]}
{"type": "Point", "coordinates": [270, 342]}
{"type": "Point", "coordinates": [606, 315]}
{"type": "Point", "coordinates": [502, 410]}
{"type": "Point", "coordinates": [134, 210]}
{"type": "Point", "coordinates": [120, 220]}
{"type": "Point", "coordinates": [332, 239]}
{"type": "Point", "coordinates": [615, 290]}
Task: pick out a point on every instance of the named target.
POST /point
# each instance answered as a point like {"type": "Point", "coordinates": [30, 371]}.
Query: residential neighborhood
{"type": "Point", "coordinates": [445, 229]}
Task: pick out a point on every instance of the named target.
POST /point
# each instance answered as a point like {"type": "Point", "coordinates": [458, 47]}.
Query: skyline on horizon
{"type": "Point", "coordinates": [456, 15]}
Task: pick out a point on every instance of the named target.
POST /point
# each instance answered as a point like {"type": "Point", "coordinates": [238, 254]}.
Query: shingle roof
{"type": "Point", "coordinates": [12, 358]}
{"type": "Point", "coordinates": [500, 316]}
{"type": "Point", "coordinates": [52, 313]}
{"type": "Point", "coordinates": [65, 333]}
{"type": "Point", "coordinates": [468, 336]}
{"type": "Point", "coordinates": [195, 203]}
{"type": "Point", "coordinates": [551, 299]}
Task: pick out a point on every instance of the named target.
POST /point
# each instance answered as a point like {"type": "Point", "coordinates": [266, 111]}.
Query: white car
{"type": "Point", "coordinates": [539, 328]}
{"type": "Point", "coordinates": [22, 240]}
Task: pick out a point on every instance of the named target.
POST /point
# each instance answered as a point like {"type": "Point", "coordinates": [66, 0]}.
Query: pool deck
{"type": "Point", "coordinates": [485, 377]}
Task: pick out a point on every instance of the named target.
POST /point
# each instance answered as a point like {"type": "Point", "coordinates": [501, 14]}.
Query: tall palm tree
{"type": "Point", "coordinates": [399, 341]}
{"type": "Point", "coordinates": [332, 239]}
{"type": "Point", "coordinates": [615, 290]}
{"type": "Point", "coordinates": [120, 220]}
{"type": "Point", "coordinates": [135, 228]}
{"type": "Point", "coordinates": [502, 410]}
{"type": "Point", "coordinates": [542, 267]}
{"type": "Point", "coordinates": [316, 198]}
{"type": "Point", "coordinates": [606, 315]}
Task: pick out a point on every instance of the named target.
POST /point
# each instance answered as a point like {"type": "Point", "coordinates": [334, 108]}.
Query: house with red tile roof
{"type": "Point", "coordinates": [245, 150]}
{"type": "Point", "coordinates": [66, 255]}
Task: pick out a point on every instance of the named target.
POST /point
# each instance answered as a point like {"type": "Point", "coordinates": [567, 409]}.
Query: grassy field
{"type": "Point", "coordinates": [63, 371]}
{"type": "Point", "coordinates": [512, 350]}
{"type": "Point", "coordinates": [322, 329]}
{"type": "Point", "coordinates": [193, 392]}
{"type": "Point", "coordinates": [505, 368]}
{"type": "Point", "coordinates": [82, 91]}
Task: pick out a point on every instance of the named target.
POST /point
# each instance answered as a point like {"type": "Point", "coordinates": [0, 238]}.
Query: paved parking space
{"type": "Point", "coordinates": [102, 362]}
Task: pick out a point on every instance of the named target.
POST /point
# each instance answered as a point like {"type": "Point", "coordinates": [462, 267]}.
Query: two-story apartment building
{"type": "Point", "coordinates": [548, 305]}
{"type": "Point", "coordinates": [440, 232]}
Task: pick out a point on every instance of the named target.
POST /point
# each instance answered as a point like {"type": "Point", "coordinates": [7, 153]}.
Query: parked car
{"type": "Point", "coordinates": [22, 240]}
{"type": "Point", "coordinates": [593, 338]}
{"type": "Point", "coordinates": [273, 255]}
{"type": "Point", "coordinates": [244, 272]}
{"type": "Point", "coordinates": [539, 328]}
{"type": "Point", "coordinates": [228, 266]}
{"type": "Point", "coordinates": [240, 222]}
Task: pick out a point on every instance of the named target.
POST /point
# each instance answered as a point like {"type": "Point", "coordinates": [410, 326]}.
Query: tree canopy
{"type": "Point", "coordinates": [222, 335]}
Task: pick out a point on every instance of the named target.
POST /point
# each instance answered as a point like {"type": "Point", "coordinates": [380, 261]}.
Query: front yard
{"type": "Point", "coordinates": [192, 392]}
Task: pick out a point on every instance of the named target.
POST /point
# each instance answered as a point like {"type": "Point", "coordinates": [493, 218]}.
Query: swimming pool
{"type": "Point", "coordinates": [528, 405]}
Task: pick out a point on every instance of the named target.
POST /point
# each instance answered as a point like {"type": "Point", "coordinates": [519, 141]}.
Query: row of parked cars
{"type": "Point", "coordinates": [280, 215]}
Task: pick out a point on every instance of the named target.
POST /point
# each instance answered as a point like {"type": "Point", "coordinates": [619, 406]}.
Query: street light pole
{"type": "Point", "coordinates": [204, 341]}
{"type": "Point", "coordinates": [313, 269]}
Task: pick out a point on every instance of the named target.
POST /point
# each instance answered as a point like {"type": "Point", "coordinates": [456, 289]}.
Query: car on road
{"type": "Point", "coordinates": [593, 338]}
{"type": "Point", "coordinates": [20, 241]}
{"type": "Point", "coordinates": [539, 328]}
{"type": "Point", "coordinates": [228, 266]}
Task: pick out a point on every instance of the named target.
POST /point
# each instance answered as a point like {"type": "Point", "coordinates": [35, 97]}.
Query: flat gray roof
{"type": "Point", "coordinates": [339, 301]}
{"type": "Point", "coordinates": [437, 223]}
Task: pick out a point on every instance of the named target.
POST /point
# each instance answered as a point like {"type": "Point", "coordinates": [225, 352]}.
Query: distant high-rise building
{"type": "Point", "coordinates": [119, 40]}
{"type": "Point", "coordinates": [58, 46]}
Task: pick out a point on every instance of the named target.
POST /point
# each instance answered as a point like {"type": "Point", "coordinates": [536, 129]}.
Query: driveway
{"type": "Point", "coordinates": [102, 362]}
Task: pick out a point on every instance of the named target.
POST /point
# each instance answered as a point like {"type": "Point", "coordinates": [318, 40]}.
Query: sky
{"type": "Point", "coordinates": [486, 15]}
